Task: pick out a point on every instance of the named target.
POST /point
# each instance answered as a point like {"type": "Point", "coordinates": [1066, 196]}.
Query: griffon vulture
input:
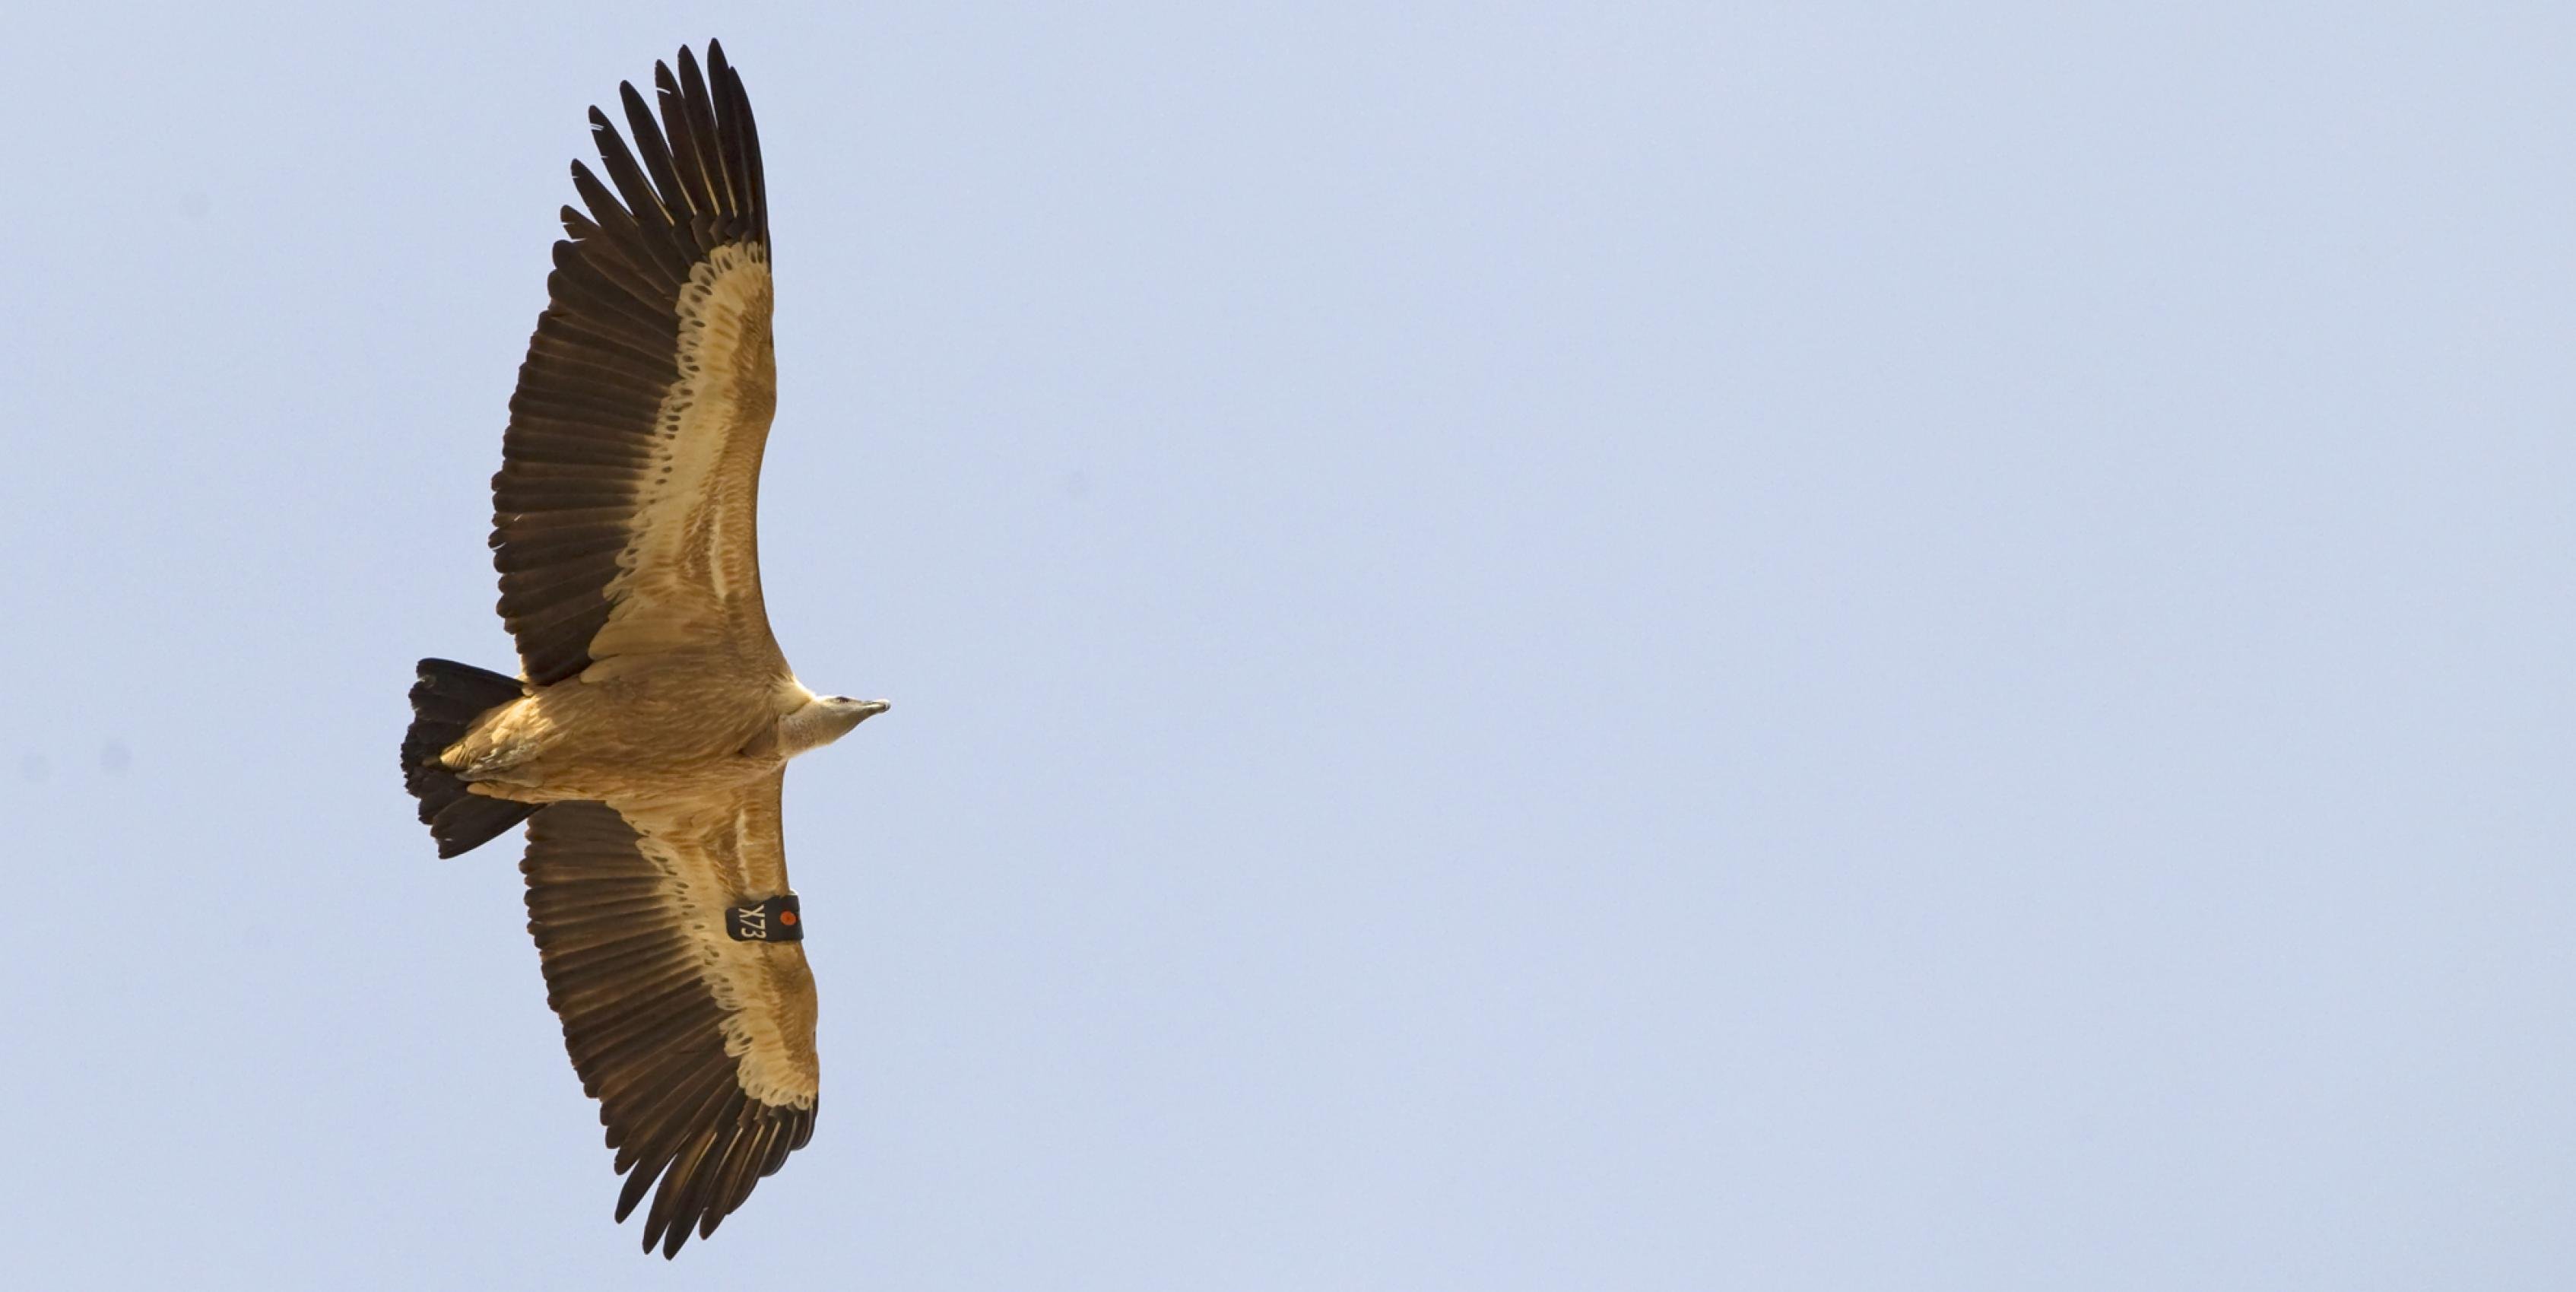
{"type": "Point", "coordinates": [646, 735]}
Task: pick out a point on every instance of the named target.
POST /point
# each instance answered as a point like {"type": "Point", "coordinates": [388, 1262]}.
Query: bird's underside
{"type": "Point", "coordinates": [646, 736]}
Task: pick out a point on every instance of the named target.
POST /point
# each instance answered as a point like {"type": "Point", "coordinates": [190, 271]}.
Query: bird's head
{"type": "Point", "coordinates": [848, 712]}
{"type": "Point", "coordinates": [824, 719]}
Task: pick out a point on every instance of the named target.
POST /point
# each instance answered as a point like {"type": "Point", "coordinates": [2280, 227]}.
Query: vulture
{"type": "Point", "coordinates": [646, 736]}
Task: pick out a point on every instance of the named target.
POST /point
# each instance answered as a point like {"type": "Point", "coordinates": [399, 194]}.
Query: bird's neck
{"type": "Point", "coordinates": [812, 727]}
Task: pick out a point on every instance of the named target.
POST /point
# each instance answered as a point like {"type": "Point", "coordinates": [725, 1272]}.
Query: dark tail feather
{"type": "Point", "coordinates": [444, 704]}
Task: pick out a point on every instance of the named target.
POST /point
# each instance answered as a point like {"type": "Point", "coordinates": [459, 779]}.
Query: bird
{"type": "Point", "coordinates": [646, 736]}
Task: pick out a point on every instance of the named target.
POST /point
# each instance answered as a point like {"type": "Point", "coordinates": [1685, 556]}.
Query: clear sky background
{"type": "Point", "coordinates": [1788, 646]}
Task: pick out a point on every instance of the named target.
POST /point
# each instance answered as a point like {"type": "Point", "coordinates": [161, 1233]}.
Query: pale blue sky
{"type": "Point", "coordinates": [1797, 646]}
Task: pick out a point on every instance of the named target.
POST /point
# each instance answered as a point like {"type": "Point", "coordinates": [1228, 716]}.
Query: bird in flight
{"type": "Point", "coordinates": [647, 734]}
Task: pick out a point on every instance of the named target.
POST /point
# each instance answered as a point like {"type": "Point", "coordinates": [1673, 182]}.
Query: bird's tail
{"type": "Point", "coordinates": [444, 704]}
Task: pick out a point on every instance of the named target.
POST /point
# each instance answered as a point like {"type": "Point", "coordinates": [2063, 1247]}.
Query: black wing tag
{"type": "Point", "coordinates": [775, 920]}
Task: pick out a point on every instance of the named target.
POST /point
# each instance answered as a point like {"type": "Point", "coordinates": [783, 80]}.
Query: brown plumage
{"type": "Point", "coordinates": [648, 731]}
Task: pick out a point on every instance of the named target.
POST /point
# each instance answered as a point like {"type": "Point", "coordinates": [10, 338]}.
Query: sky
{"type": "Point", "coordinates": [1787, 646]}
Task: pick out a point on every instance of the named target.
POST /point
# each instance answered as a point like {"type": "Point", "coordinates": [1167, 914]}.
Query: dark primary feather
{"type": "Point", "coordinates": [644, 1031]}
{"type": "Point", "coordinates": [605, 351]}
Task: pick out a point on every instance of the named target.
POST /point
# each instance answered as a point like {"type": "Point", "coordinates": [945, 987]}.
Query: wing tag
{"type": "Point", "coordinates": [775, 920]}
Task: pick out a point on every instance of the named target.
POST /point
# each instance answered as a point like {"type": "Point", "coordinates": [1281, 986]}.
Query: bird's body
{"type": "Point", "coordinates": [684, 726]}
{"type": "Point", "coordinates": [646, 737]}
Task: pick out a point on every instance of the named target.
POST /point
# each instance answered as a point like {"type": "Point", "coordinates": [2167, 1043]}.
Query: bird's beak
{"type": "Point", "coordinates": [872, 708]}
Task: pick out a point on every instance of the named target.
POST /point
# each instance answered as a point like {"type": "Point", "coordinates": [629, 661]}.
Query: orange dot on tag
{"type": "Point", "coordinates": [787, 917]}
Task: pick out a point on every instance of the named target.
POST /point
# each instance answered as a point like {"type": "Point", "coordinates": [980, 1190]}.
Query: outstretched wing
{"type": "Point", "coordinates": [623, 517]}
{"type": "Point", "coordinates": [668, 943]}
